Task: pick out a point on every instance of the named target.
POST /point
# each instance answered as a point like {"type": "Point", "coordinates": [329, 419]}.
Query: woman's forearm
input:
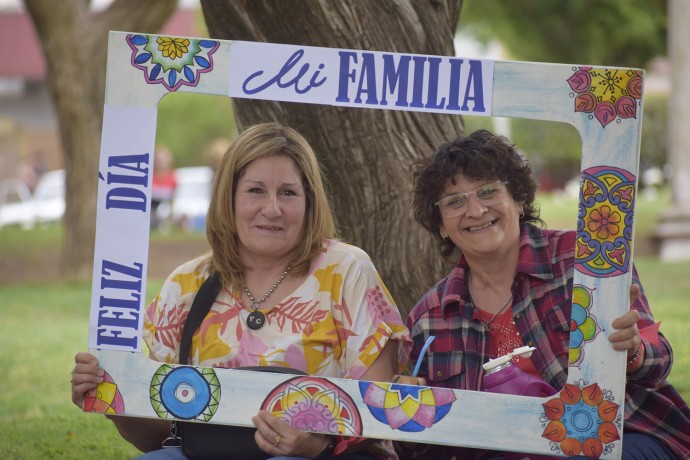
{"type": "Point", "coordinates": [144, 434]}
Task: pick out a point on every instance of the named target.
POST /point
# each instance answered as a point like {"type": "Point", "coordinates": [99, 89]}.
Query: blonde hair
{"type": "Point", "coordinates": [259, 141]}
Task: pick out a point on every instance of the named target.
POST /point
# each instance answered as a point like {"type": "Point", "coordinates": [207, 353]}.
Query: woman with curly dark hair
{"type": "Point", "coordinates": [512, 287]}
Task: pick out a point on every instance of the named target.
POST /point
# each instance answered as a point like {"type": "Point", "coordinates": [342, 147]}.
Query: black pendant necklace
{"type": "Point", "coordinates": [256, 319]}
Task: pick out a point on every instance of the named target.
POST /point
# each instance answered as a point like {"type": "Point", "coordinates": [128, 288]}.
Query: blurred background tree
{"type": "Point", "coordinates": [616, 33]}
{"type": "Point", "coordinates": [75, 44]}
{"type": "Point", "coordinates": [621, 33]}
{"type": "Point", "coordinates": [374, 147]}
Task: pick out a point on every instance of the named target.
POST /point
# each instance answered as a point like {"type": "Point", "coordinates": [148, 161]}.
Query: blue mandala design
{"type": "Point", "coordinates": [603, 247]}
{"type": "Point", "coordinates": [185, 392]}
{"type": "Point", "coordinates": [172, 61]}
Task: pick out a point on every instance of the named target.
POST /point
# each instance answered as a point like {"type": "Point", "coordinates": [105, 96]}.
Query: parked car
{"type": "Point", "coordinates": [16, 207]}
{"type": "Point", "coordinates": [46, 205]}
{"type": "Point", "coordinates": [191, 197]}
{"type": "Point", "coordinates": [49, 197]}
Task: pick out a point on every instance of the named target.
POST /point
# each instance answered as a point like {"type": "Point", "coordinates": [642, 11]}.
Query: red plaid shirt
{"type": "Point", "coordinates": [541, 311]}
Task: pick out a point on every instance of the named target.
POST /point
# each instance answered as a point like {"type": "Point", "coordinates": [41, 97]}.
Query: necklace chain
{"type": "Point", "coordinates": [257, 303]}
{"type": "Point", "coordinates": [501, 310]}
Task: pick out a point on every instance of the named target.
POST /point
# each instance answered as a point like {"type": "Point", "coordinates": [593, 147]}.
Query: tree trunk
{"type": "Point", "coordinates": [674, 227]}
{"type": "Point", "coordinates": [75, 46]}
{"type": "Point", "coordinates": [679, 113]}
{"type": "Point", "coordinates": [366, 153]}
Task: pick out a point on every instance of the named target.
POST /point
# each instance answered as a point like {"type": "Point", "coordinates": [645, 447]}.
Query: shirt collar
{"type": "Point", "coordinates": [535, 257]}
{"type": "Point", "coordinates": [455, 286]}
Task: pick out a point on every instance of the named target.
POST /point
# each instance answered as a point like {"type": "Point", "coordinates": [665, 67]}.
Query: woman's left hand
{"type": "Point", "coordinates": [278, 438]}
{"type": "Point", "coordinates": [627, 337]}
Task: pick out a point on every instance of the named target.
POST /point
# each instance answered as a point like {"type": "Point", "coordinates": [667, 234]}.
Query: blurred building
{"type": "Point", "coordinates": [28, 124]}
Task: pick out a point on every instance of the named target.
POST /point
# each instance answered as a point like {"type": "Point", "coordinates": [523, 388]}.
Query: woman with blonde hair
{"type": "Point", "coordinates": [290, 295]}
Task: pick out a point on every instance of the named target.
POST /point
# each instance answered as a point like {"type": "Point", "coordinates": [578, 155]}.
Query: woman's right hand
{"type": "Point", "coordinates": [143, 433]}
{"type": "Point", "coordinates": [86, 376]}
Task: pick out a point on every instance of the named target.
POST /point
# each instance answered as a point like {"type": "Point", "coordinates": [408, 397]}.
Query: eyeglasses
{"type": "Point", "coordinates": [456, 205]}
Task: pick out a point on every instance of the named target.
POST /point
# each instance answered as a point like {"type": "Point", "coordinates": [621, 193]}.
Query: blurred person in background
{"type": "Point", "coordinates": [163, 185]}
{"type": "Point", "coordinates": [32, 169]}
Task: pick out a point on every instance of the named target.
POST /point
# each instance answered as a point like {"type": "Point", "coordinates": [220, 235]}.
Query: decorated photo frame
{"type": "Point", "coordinates": [603, 104]}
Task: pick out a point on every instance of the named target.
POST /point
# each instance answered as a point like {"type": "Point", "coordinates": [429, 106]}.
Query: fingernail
{"type": "Point", "coordinates": [100, 372]}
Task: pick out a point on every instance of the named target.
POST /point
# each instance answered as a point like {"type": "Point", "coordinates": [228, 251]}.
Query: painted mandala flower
{"type": "Point", "coordinates": [581, 421]}
{"type": "Point", "coordinates": [172, 61]}
{"type": "Point", "coordinates": [312, 414]}
{"type": "Point", "coordinates": [583, 325]}
{"type": "Point", "coordinates": [314, 404]}
{"type": "Point", "coordinates": [407, 408]}
{"type": "Point", "coordinates": [173, 47]}
{"type": "Point", "coordinates": [106, 398]}
{"type": "Point", "coordinates": [606, 93]}
{"type": "Point", "coordinates": [605, 218]}
{"type": "Point", "coordinates": [604, 222]}
{"type": "Point", "coordinates": [185, 392]}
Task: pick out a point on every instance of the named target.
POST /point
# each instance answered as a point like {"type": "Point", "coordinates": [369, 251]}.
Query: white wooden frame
{"type": "Point", "coordinates": [603, 104]}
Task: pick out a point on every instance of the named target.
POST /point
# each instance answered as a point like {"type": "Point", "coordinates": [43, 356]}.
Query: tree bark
{"type": "Point", "coordinates": [75, 44]}
{"type": "Point", "coordinates": [366, 153]}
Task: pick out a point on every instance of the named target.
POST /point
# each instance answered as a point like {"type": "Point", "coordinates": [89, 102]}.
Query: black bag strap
{"type": "Point", "coordinates": [201, 305]}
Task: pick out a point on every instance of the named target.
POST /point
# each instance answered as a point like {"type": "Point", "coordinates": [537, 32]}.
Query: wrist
{"type": "Point", "coordinates": [635, 361]}
{"type": "Point", "coordinates": [328, 449]}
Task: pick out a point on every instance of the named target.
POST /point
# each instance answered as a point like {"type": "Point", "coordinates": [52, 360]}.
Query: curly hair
{"type": "Point", "coordinates": [482, 155]}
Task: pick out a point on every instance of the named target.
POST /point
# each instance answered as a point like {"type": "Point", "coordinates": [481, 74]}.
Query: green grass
{"type": "Point", "coordinates": [14, 240]}
{"type": "Point", "coordinates": [667, 290]}
{"type": "Point", "coordinates": [43, 326]}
